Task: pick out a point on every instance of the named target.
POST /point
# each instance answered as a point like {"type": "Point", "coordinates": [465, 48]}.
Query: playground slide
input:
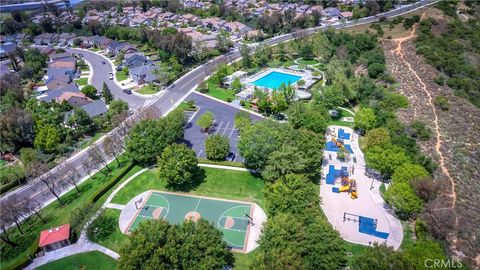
{"type": "Point", "coordinates": [344, 188]}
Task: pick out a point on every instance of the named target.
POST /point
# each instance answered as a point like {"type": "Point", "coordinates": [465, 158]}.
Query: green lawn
{"type": "Point", "coordinates": [121, 75]}
{"type": "Point", "coordinates": [82, 81]}
{"type": "Point", "coordinates": [93, 260]}
{"type": "Point", "coordinates": [242, 261]}
{"type": "Point", "coordinates": [353, 251]}
{"type": "Point", "coordinates": [148, 90]}
{"type": "Point", "coordinates": [117, 238]}
{"type": "Point", "coordinates": [94, 49]}
{"type": "Point", "coordinates": [220, 93]}
{"type": "Point", "coordinates": [276, 63]}
{"type": "Point", "coordinates": [57, 214]}
{"type": "Point", "coordinates": [308, 61]}
{"type": "Point", "coordinates": [92, 140]}
{"type": "Point", "coordinates": [217, 183]}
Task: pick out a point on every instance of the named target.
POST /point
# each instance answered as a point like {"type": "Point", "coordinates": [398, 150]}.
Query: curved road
{"type": "Point", "coordinates": [177, 92]}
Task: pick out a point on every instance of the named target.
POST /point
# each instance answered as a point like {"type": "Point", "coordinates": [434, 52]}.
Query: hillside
{"type": "Point", "coordinates": [445, 102]}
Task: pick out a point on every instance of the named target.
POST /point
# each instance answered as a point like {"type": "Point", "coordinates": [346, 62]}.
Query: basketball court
{"type": "Point", "coordinates": [234, 218]}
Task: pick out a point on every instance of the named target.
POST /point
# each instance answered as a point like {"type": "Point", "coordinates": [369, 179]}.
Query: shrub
{"type": "Point", "coordinates": [440, 80]}
{"type": "Point", "coordinates": [217, 147]}
{"type": "Point", "coordinates": [242, 103]}
{"type": "Point", "coordinates": [112, 182]}
{"type": "Point", "coordinates": [101, 228]}
{"type": "Point", "coordinates": [442, 102]}
{"type": "Point", "coordinates": [229, 99]}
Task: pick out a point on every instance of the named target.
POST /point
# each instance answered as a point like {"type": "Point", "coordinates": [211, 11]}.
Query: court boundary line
{"type": "Point", "coordinates": [200, 196]}
{"type": "Point", "coordinates": [168, 203]}
{"type": "Point", "coordinates": [127, 230]}
{"type": "Point", "coordinates": [245, 231]}
{"type": "Point", "coordinates": [247, 234]}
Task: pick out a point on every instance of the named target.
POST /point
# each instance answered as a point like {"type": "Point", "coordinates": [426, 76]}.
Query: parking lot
{"type": "Point", "coordinates": [224, 124]}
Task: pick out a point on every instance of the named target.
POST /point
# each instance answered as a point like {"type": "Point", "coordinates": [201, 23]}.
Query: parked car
{"type": "Point", "coordinates": [127, 91]}
{"type": "Point", "coordinates": [119, 68]}
{"type": "Point", "coordinates": [111, 77]}
{"type": "Point", "coordinates": [230, 156]}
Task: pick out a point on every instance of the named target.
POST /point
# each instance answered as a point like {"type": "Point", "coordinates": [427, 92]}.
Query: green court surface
{"type": "Point", "coordinates": [229, 216]}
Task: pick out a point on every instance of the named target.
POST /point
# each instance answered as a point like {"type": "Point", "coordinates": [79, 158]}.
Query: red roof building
{"type": "Point", "coordinates": [55, 238]}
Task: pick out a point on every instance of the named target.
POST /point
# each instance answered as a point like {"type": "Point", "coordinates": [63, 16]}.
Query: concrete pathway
{"type": "Point", "coordinates": [114, 206]}
{"type": "Point", "coordinates": [226, 167]}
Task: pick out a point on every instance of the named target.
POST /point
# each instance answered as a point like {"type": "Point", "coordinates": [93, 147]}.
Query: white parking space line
{"type": "Point", "coordinates": [231, 132]}
{"type": "Point", "coordinates": [219, 127]}
{"type": "Point", "coordinates": [226, 128]}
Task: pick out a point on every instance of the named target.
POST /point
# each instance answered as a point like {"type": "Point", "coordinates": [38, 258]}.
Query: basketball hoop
{"type": "Point", "coordinates": [138, 202]}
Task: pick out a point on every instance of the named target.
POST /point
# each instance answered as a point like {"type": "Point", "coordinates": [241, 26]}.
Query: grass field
{"type": "Point", "coordinates": [121, 75]}
{"type": "Point", "coordinates": [86, 261]}
{"type": "Point", "coordinates": [220, 93]}
{"type": "Point", "coordinates": [147, 90]}
{"type": "Point", "coordinates": [217, 183]}
{"type": "Point", "coordinates": [307, 61]}
{"type": "Point", "coordinates": [57, 214]}
{"type": "Point", "coordinates": [82, 81]}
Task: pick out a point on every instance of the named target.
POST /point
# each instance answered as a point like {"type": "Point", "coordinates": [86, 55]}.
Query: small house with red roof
{"type": "Point", "coordinates": [55, 238]}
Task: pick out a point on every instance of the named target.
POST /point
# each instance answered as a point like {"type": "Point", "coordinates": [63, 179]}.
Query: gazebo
{"type": "Point", "coordinates": [55, 238]}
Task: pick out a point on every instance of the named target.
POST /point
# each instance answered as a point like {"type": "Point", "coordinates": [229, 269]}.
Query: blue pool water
{"type": "Point", "coordinates": [274, 79]}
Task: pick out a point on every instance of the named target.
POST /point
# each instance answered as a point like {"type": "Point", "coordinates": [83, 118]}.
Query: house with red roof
{"type": "Point", "coordinates": [55, 238]}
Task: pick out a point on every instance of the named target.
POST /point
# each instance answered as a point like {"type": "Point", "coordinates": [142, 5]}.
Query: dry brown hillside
{"type": "Point", "coordinates": [455, 145]}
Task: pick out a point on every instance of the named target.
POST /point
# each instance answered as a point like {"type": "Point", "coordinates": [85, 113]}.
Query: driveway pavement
{"type": "Point", "coordinates": [224, 124]}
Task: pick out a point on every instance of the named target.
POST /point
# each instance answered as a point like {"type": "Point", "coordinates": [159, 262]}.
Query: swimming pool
{"type": "Point", "coordinates": [274, 79]}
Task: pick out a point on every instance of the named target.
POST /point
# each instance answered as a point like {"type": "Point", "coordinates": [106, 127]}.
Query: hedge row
{"type": "Point", "coordinates": [7, 187]}
{"type": "Point", "coordinates": [32, 250]}
{"type": "Point", "coordinates": [112, 182]}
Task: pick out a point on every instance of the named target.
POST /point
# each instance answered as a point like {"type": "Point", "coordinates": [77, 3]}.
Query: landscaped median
{"type": "Point", "coordinates": [148, 89]}
{"type": "Point", "coordinates": [56, 214]}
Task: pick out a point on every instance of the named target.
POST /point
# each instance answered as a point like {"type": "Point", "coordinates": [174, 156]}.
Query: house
{"type": "Point", "coordinates": [143, 74]}
{"type": "Point", "coordinates": [60, 73]}
{"type": "Point", "coordinates": [54, 238]}
{"type": "Point", "coordinates": [82, 39]}
{"type": "Point", "coordinates": [57, 56]}
{"type": "Point", "coordinates": [76, 99]}
{"type": "Point", "coordinates": [58, 82]}
{"type": "Point", "coordinates": [331, 12]}
{"type": "Point", "coordinates": [4, 70]}
{"type": "Point", "coordinates": [50, 95]}
{"type": "Point", "coordinates": [62, 64]}
{"type": "Point", "coordinates": [212, 23]}
{"type": "Point", "coordinates": [346, 15]}
{"type": "Point", "coordinates": [63, 38]}
{"type": "Point", "coordinates": [7, 48]}
{"type": "Point", "coordinates": [136, 60]}
{"type": "Point", "coordinates": [45, 39]}
{"type": "Point", "coordinates": [17, 38]}
{"type": "Point", "coordinates": [236, 28]}
{"type": "Point", "coordinates": [96, 108]}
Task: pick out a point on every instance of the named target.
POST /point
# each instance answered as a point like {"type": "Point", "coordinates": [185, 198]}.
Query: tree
{"type": "Point", "coordinates": [97, 156]}
{"type": "Point", "coordinates": [381, 257]}
{"type": "Point", "coordinates": [178, 165]}
{"type": "Point", "coordinates": [260, 140]}
{"type": "Point", "coordinates": [117, 111]}
{"type": "Point", "coordinates": [292, 242]}
{"type": "Point", "coordinates": [217, 147]}
{"type": "Point", "coordinates": [283, 161]}
{"type": "Point", "coordinates": [205, 122]}
{"type": "Point", "coordinates": [190, 245]}
{"type": "Point", "coordinates": [148, 138]}
{"type": "Point", "coordinates": [301, 115]}
{"type": "Point", "coordinates": [49, 179]}
{"type": "Point", "coordinates": [377, 136]}
{"type": "Point", "coordinates": [291, 194]}
{"type": "Point", "coordinates": [332, 97]}
{"type": "Point", "coordinates": [365, 119]}
{"type": "Point", "coordinates": [386, 159]}
{"type": "Point", "coordinates": [306, 51]}
{"type": "Point", "coordinates": [407, 172]}
{"type": "Point", "coordinates": [70, 173]}
{"type": "Point", "coordinates": [242, 120]}
{"type": "Point", "coordinates": [288, 91]}
{"type": "Point", "coordinates": [278, 103]}
{"type": "Point", "coordinates": [89, 91]}
{"type": "Point", "coordinates": [375, 69]}
{"type": "Point", "coordinates": [81, 121]}
{"type": "Point", "coordinates": [246, 57]}
{"type": "Point", "coordinates": [236, 85]}
{"type": "Point", "coordinates": [112, 147]}
{"type": "Point", "coordinates": [106, 94]}
{"type": "Point", "coordinates": [16, 128]}
{"type": "Point", "coordinates": [402, 197]}
{"type": "Point", "coordinates": [47, 138]}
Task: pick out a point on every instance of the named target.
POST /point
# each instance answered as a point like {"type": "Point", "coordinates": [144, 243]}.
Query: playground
{"type": "Point", "coordinates": [235, 219]}
{"type": "Point", "coordinates": [350, 199]}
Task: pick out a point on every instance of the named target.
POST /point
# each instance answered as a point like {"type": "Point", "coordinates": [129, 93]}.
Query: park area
{"type": "Point", "coordinates": [86, 261]}
{"type": "Point", "coordinates": [233, 218]}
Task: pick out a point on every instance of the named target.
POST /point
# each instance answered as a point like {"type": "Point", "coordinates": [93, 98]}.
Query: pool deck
{"type": "Point", "coordinates": [369, 203]}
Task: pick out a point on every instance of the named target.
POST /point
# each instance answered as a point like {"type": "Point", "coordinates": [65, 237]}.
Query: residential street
{"type": "Point", "coordinates": [178, 91]}
{"type": "Point", "coordinates": [101, 73]}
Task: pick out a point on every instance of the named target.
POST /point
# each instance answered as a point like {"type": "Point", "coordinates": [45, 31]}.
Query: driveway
{"type": "Point", "coordinates": [224, 124]}
{"type": "Point", "coordinates": [101, 74]}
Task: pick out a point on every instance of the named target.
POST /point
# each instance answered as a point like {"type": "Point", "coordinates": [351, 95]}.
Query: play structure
{"type": "Point", "coordinates": [347, 184]}
{"type": "Point", "coordinates": [338, 142]}
{"type": "Point", "coordinates": [366, 225]}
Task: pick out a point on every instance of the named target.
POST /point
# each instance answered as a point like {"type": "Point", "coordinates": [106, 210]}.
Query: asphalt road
{"type": "Point", "coordinates": [101, 74]}
{"type": "Point", "coordinates": [176, 93]}
{"type": "Point", "coordinates": [224, 125]}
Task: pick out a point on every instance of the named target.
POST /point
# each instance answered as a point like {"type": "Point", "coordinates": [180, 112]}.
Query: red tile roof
{"type": "Point", "coordinates": [54, 235]}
